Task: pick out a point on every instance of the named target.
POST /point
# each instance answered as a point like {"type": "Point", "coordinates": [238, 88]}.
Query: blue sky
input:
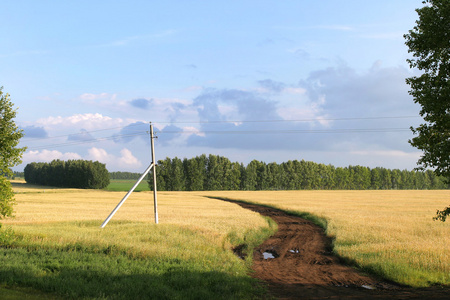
{"type": "Point", "coordinates": [267, 80]}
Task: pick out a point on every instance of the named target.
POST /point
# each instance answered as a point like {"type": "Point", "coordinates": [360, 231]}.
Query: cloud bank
{"type": "Point", "coordinates": [333, 113]}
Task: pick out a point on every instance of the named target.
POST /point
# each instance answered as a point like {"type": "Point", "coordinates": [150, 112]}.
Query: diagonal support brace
{"type": "Point", "coordinates": [126, 196]}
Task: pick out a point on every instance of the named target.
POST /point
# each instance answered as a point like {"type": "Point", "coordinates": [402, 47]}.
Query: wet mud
{"type": "Point", "coordinates": [298, 263]}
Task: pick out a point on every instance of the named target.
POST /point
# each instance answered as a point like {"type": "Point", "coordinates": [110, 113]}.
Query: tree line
{"type": "Point", "coordinates": [219, 173]}
{"type": "Point", "coordinates": [84, 174]}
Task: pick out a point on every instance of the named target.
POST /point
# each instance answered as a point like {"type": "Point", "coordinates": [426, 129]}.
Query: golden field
{"type": "Point", "coordinates": [390, 233]}
{"type": "Point", "coordinates": [74, 216]}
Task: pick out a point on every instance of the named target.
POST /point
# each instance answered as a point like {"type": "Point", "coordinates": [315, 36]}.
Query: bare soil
{"type": "Point", "coordinates": [304, 267]}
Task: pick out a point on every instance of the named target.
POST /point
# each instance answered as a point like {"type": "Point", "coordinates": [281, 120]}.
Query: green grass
{"type": "Point", "coordinates": [124, 185]}
{"type": "Point", "coordinates": [78, 274]}
{"type": "Point", "coordinates": [94, 271]}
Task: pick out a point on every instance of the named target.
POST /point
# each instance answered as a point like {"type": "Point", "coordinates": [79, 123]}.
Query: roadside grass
{"type": "Point", "coordinates": [75, 274]}
{"type": "Point", "coordinates": [124, 185]}
{"type": "Point", "coordinates": [59, 248]}
{"type": "Point", "coordinates": [387, 233]}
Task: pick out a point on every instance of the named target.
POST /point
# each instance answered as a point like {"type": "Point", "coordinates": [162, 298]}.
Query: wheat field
{"type": "Point", "coordinates": [72, 215]}
{"type": "Point", "coordinates": [390, 233]}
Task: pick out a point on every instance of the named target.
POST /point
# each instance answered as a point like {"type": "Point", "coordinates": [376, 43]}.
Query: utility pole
{"type": "Point", "coordinates": [152, 165]}
{"type": "Point", "coordinates": [155, 200]}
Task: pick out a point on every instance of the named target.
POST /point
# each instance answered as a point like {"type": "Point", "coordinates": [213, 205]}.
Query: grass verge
{"type": "Point", "coordinates": [89, 271]}
{"type": "Point", "coordinates": [119, 185]}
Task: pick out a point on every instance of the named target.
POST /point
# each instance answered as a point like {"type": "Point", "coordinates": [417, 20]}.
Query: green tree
{"type": "Point", "coordinates": [226, 166]}
{"type": "Point", "coordinates": [326, 173]}
{"type": "Point", "coordinates": [407, 179]}
{"type": "Point", "coordinates": [262, 178]}
{"type": "Point", "coordinates": [162, 175]}
{"type": "Point", "coordinates": [250, 178]}
{"type": "Point", "coordinates": [290, 175]}
{"type": "Point", "coordinates": [396, 179]}
{"type": "Point", "coordinates": [361, 177]}
{"type": "Point", "coordinates": [223, 171]}
{"type": "Point", "coordinates": [214, 173]}
{"type": "Point", "coordinates": [10, 154]}
{"type": "Point", "coordinates": [304, 173]}
{"type": "Point", "coordinates": [6, 198]}
{"type": "Point", "coordinates": [235, 176]}
{"type": "Point", "coordinates": [342, 176]}
{"type": "Point", "coordinates": [177, 179]}
{"type": "Point", "coordinates": [429, 41]}
{"type": "Point", "coordinates": [274, 174]}
{"type": "Point", "coordinates": [375, 179]}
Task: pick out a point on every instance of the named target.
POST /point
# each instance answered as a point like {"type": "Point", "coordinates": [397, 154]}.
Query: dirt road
{"type": "Point", "coordinates": [297, 263]}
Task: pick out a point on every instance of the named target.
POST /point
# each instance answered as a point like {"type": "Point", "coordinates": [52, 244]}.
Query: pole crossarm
{"type": "Point", "coordinates": [127, 195]}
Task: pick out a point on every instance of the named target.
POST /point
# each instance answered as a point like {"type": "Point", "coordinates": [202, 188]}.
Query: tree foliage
{"type": "Point", "coordinates": [6, 198]}
{"type": "Point", "coordinates": [84, 174]}
{"type": "Point", "coordinates": [10, 154]}
{"type": "Point", "coordinates": [429, 41]}
{"type": "Point", "coordinates": [218, 173]}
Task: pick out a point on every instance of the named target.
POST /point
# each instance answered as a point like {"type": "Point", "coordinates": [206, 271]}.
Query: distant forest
{"type": "Point", "coordinates": [203, 173]}
{"type": "Point", "coordinates": [84, 174]}
{"type": "Point", "coordinates": [219, 173]}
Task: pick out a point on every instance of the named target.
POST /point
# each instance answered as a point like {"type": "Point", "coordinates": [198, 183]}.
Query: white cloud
{"type": "Point", "coordinates": [86, 121]}
{"type": "Point", "coordinates": [48, 155]}
{"type": "Point", "coordinates": [100, 154]}
{"type": "Point", "coordinates": [128, 160]}
{"type": "Point", "coordinates": [125, 162]}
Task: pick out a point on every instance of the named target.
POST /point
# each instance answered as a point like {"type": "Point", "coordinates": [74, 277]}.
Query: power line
{"type": "Point", "coordinates": [87, 141]}
{"type": "Point", "coordinates": [232, 132]}
{"type": "Point", "coordinates": [290, 120]}
{"type": "Point", "coordinates": [277, 131]}
{"type": "Point", "coordinates": [223, 132]}
{"type": "Point", "coordinates": [229, 121]}
{"type": "Point", "coordinates": [86, 132]}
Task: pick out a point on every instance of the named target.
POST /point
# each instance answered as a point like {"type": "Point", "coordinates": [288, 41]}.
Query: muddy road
{"type": "Point", "coordinates": [298, 263]}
